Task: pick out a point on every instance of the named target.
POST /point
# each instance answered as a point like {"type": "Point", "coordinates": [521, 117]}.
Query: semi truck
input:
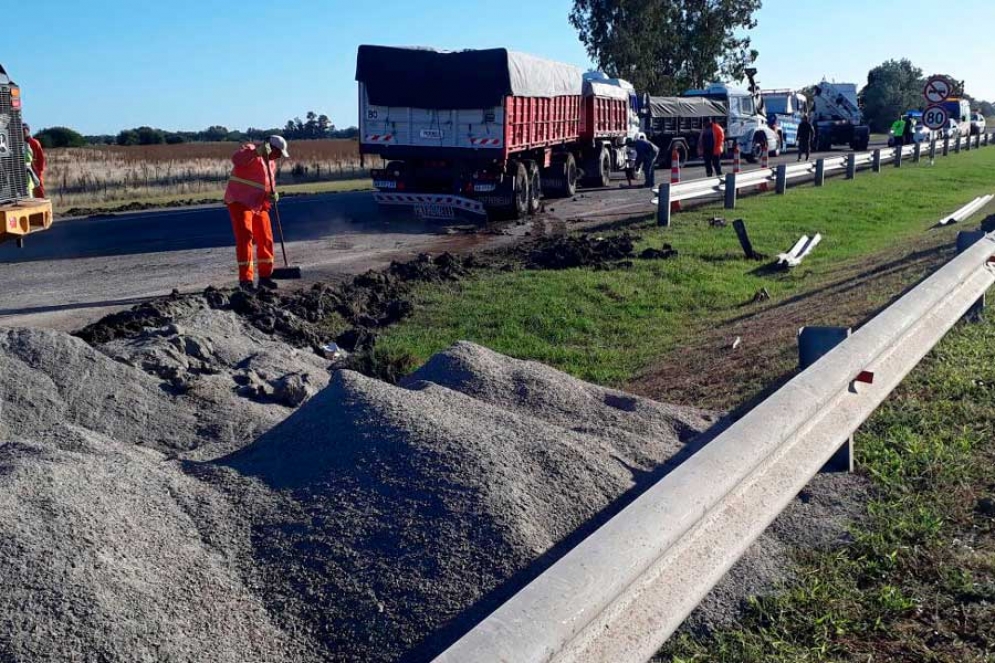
{"type": "Point", "coordinates": [837, 118]}
{"type": "Point", "coordinates": [19, 215]}
{"type": "Point", "coordinates": [674, 123]}
{"type": "Point", "coordinates": [486, 133]}
{"type": "Point", "coordinates": [785, 109]}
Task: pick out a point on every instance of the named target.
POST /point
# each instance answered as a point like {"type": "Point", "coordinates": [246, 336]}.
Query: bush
{"type": "Point", "coordinates": [60, 137]}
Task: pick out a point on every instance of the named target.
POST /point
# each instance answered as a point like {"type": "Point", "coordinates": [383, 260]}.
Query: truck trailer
{"type": "Point", "coordinates": [19, 214]}
{"type": "Point", "coordinates": [486, 132]}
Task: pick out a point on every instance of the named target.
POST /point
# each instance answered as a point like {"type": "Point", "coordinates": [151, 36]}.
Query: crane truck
{"type": "Point", "coordinates": [487, 133]}
{"type": "Point", "coordinates": [19, 214]}
{"type": "Point", "coordinates": [837, 117]}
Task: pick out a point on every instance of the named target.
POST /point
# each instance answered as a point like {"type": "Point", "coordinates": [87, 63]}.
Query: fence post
{"type": "Point", "coordinates": [932, 151]}
{"type": "Point", "coordinates": [968, 145]}
{"type": "Point", "coordinates": [730, 190]}
{"type": "Point", "coordinates": [957, 145]}
{"type": "Point", "coordinates": [663, 205]}
{"type": "Point", "coordinates": [851, 166]}
{"type": "Point", "coordinates": [946, 145]}
{"type": "Point", "coordinates": [820, 172]}
{"type": "Point", "coordinates": [813, 343]}
{"type": "Point", "coordinates": [781, 185]}
{"type": "Point", "coordinates": [876, 163]}
{"type": "Point", "coordinates": [917, 153]}
{"type": "Point", "coordinates": [986, 139]}
{"type": "Point", "coordinates": [899, 154]}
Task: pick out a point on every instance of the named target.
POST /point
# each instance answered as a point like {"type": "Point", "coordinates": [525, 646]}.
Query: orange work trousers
{"type": "Point", "coordinates": [252, 228]}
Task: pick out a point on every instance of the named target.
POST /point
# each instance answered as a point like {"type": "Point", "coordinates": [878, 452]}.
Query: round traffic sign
{"type": "Point", "coordinates": [935, 117]}
{"type": "Point", "coordinates": [937, 89]}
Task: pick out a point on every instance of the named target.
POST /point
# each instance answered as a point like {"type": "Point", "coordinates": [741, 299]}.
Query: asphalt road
{"type": "Point", "coordinates": [83, 268]}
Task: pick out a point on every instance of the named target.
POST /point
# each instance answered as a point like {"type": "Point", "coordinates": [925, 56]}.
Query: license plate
{"type": "Point", "coordinates": [435, 212]}
{"type": "Point", "coordinates": [435, 134]}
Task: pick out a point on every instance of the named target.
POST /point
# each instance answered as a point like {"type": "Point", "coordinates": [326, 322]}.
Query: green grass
{"type": "Point", "coordinates": [604, 326]}
{"type": "Point", "coordinates": [918, 581]}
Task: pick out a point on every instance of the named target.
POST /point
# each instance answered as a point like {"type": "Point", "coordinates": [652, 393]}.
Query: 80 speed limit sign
{"type": "Point", "coordinates": [935, 117]}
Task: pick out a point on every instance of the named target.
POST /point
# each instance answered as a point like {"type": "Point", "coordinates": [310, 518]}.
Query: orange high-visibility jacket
{"type": "Point", "coordinates": [718, 135]}
{"type": "Point", "coordinates": [37, 157]}
{"type": "Point", "coordinates": [249, 184]}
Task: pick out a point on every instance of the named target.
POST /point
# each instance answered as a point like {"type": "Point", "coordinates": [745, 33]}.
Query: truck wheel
{"type": "Point", "coordinates": [519, 195]}
{"type": "Point", "coordinates": [570, 176]}
{"type": "Point", "coordinates": [597, 169]}
{"type": "Point", "coordinates": [535, 189]}
{"type": "Point", "coordinates": [759, 147]}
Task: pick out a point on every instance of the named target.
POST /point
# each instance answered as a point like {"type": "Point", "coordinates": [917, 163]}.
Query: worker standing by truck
{"type": "Point", "coordinates": [898, 131]}
{"type": "Point", "coordinates": [646, 155]}
{"type": "Point", "coordinates": [248, 196]}
{"type": "Point", "coordinates": [711, 141]}
{"type": "Point", "coordinates": [805, 133]}
{"type": "Point", "coordinates": [37, 162]}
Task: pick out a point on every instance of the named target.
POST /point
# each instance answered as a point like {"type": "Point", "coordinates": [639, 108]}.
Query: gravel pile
{"type": "Point", "coordinates": [424, 505]}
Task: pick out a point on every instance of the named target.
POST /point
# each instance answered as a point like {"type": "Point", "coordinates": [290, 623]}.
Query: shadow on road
{"type": "Point", "coordinates": [29, 310]}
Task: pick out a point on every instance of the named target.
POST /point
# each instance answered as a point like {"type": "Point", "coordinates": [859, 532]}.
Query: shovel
{"type": "Point", "coordinates": [286, 272]}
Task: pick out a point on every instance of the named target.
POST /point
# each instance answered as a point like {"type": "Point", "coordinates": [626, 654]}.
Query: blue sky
{"type": "Point", "coordinates": [100, 65]}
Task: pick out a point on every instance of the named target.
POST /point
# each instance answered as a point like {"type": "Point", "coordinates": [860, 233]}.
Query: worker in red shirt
{"type": "Point", "coordinates": [37, 161]}
{"type": "Point", "coordinates": [248, 196]}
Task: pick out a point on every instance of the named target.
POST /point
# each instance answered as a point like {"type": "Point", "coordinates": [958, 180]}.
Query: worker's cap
{"type": "Point", "coordinates": [25, 125]}
{"type": "Point", "coordinates": [279, 143]}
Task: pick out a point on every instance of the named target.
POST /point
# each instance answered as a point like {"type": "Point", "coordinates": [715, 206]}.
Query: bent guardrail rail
{"type": "Point", "coordinates": [620, 593]}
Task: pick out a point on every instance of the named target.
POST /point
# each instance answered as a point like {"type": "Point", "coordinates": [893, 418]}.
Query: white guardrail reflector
{"type": "Point", "coordinates": [619, 594]}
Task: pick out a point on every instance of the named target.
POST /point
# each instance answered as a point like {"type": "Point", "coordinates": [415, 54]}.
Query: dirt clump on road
{"type": "Point", "coordinates": [569, 251]}
{"type": "Point", "coordinates": [420, 506]}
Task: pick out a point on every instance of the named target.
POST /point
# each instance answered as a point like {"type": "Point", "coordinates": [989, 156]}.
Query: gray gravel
{"type": "Point", "coordinates": [417, 502]}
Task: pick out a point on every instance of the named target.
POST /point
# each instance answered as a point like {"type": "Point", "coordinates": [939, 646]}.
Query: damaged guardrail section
{"type": "Point", "coordinates": [622, 591]}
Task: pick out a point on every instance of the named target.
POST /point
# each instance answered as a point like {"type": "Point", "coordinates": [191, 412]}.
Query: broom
{"type": "Point", "coordinates": [286, 272]}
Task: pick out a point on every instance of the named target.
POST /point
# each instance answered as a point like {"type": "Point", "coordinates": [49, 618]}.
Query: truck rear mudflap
{"type": "Point", "coordinates": [432, 205]}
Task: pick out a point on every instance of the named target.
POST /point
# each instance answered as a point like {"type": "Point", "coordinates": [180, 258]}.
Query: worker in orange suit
{"type": "Point", "coordinates": [248, 196]}
{"type": "Point", "coordinates": [37, 161]}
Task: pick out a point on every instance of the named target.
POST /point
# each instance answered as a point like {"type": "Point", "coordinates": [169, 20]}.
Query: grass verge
{"type": "Point", "coordinates": [606, 326]}
{"type": "Point", "coordinates": [918, 581]}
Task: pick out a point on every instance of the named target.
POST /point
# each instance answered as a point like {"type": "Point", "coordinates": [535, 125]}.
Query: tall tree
{"type": "Point", "coordinates": [893, 88]}
{"type": "Point", "coordinates": [667, 46]}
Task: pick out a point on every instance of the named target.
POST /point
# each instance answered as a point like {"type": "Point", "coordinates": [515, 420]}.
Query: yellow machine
{"type": "Point", "coordinates": [19, 215]}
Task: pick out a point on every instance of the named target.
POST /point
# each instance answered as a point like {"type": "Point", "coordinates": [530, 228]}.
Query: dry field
{"type": "Point", "coordinates": [84, 176]}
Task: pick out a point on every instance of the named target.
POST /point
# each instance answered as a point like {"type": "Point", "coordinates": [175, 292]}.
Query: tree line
{"type": "Point", "coordinates": [313, 127]}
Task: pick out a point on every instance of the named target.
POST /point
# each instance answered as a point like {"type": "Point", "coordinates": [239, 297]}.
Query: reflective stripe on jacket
{"type": "Point", "coordinates": [249, 184]}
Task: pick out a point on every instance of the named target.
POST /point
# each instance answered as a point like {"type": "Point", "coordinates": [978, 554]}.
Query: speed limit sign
{"type": "Point", "coordinates": [935, 117]}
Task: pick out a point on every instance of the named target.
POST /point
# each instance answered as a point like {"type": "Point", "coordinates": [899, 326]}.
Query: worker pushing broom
{"type": "Point", "coordinates": [250, 195]}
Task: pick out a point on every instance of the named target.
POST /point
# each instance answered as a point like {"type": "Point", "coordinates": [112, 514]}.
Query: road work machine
{"type": "Point", "coordinates": [19, 214]}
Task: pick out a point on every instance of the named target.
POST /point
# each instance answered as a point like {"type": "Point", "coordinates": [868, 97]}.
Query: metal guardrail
{"type": "Point", "coordinates": [620, 593]}
{"type": "Point", "coordinates": [751, 179]}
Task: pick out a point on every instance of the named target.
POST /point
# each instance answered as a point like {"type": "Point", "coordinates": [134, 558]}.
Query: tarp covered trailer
{"type": "Point", "coordinates": [479, 131]}
{"type": "Point", "coordinates": [674, 123]}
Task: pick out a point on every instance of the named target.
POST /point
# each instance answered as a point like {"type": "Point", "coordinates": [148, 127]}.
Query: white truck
{"type": "Point", "coordinates": [837, 118]}
{"type": "Point", "coordinates": [673, 123]}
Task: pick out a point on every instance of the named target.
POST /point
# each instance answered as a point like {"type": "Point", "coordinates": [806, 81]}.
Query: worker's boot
{"type": "Point", "coordinates": [268, 283]}
{"type": "Point", "coordinates": [247, 286]}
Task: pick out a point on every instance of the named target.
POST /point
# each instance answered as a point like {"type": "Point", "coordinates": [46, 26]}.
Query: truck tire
{"type": "Point", "coordinates": [519, 184]}
{"type": "Point", "coordinates": [535, 188]}
{"type": "Point", "coordinates": [757, 150]}
{"type": "Point", "coordinates": [600, 170]}
{"type": "Point", "coordinates": [565, 174]}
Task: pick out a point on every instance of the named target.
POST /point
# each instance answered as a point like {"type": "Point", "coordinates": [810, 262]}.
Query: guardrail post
{"type": "Point", "coordinates": [813, 343]}
{"type": "Point", "coordinates": [820, 172]}
{"type": "Point", "coordinates": [781, 182]}
{"type": "Point", "coordinates": [977, 141]}
{"type": "Point", "coordinates": [730, 190]}
{"type": "Point", "coordinates": [899, 155]}
{"type": "Point", "coordinates": [876, 163]}
{"type": "Point", "coordinates": [663, 205]}
{"type": "Point", "coordinates": [744, 239]}
{"type": "Point", "coordinates": [946, 145]}
{"type": "Point", "coordinates": [965, 240]}
{"type": "Point", "coordinates": [851, 166]}
{"type": "Point", "coordinates": [917, 153]}
{"type": "Point", "coordinates": [932, 151]}
{"type": "Point", "coordinates": [967, 146]}
{"type": "Point", "coordinates": [957, 145]}
{"type": "Point", "coordinates": [986, 139]}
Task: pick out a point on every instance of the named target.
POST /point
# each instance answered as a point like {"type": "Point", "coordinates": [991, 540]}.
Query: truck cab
{"type": "Point", "coordinates": [746, 123]}
{"type": "Point", "coordinates": [785, 109]}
